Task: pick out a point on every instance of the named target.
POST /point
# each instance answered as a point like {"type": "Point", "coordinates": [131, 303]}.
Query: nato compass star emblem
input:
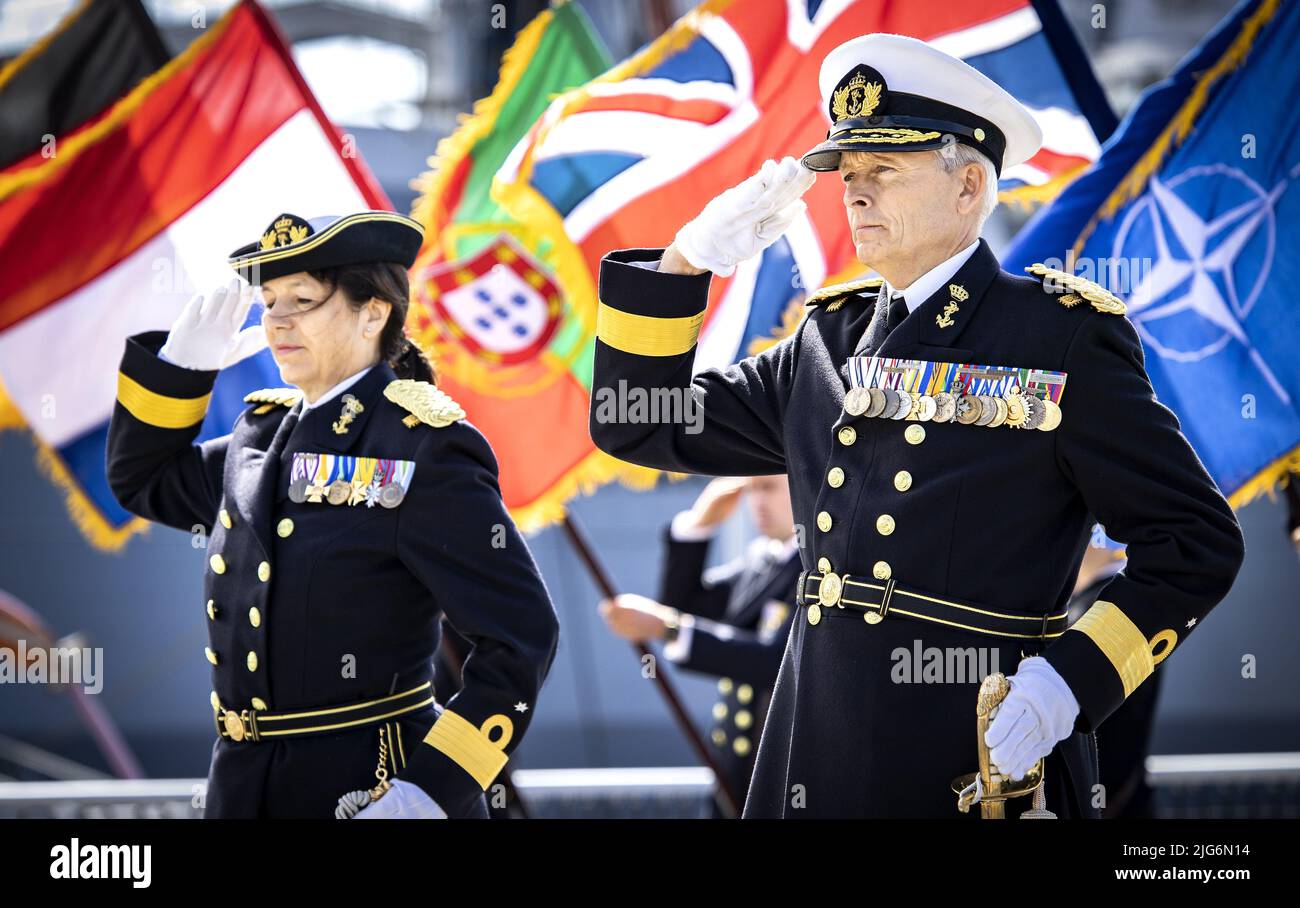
{"type": "Point", "coordinates": [1207, 272]}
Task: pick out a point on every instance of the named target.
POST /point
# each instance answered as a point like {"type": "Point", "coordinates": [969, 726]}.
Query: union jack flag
{"type": "Point", "coordinates": [628, 158]}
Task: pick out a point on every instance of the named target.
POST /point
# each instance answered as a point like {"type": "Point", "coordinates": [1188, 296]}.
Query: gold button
{"type": "Point", "coordinates": [252, 661]}
{"type": "Point", "coordinates": [284, 527]}
{"type": "Point", "coordinates": [835, 477]}
{"type": "Point", "coordinates": [814, 614]}
{"type": "Point", "coordinates": [744, 719]}
{"type": "Point", "coordinates": [224, 516]}
{"type": "Point", "coordinates": [212, 610]}
{"type": "Point", "coordinates": [914, 434]}
{"type": "Point", "coordinates": [744, 693]}
{"type": "Point", "coordinates": [215, 700]}
{"type": "Point", "coordinates": [259, 704]}
{"type": "Point", "coordinates": [719, 737]}
{"type": "Point", "coordinates": [824, 522]}
{"type": "Point", "coordinates": [848, 435]}
{"type": "Point", "coordinates": [724, 686]}
{"type": "Point", "coordinates": [254, 617]}
{"type": "Point", "coordinates": [979, 134]}
{"type": "Point", "coordinates": [884, 524]}
{"type": "Point", "coordinates": [824, 565]}
{"type": "Point", "coordinates": [719, 711]}
{"type": "Point", "coordinates": [234, 725]}
{"type": "Point", "coordinates": [218, 564]}
{"type": "Point", "coordinates": [881, 570]}
{"type": "Point", "coordinates": [740, 746]}
{"type": "Point", "coordinates": [211, 654]}
{"type": "Point", "coordinates": [264, 572]}
{"type": "Point", "coordinates": [902, 480]}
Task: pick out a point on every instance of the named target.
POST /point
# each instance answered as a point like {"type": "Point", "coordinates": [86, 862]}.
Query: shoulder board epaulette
{"type": "Point", "coordinates": [426, 403]}
{"type": "Point", "coordinates": [1079, 289]}
{"type": "Point", "coordinates": [837, 292]}
{"type": "Point", "coordinates": [270, 398]}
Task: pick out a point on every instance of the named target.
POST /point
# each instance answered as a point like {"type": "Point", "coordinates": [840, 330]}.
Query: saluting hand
{"type": "Point", "coordinates": [716, 503]}
{"type": "Point", "coordinates": [743, 221]}
{"type": "Point", "coordinates": [206, 335]}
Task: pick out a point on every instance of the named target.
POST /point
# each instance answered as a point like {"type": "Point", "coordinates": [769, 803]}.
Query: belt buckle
{"type": "Point", "coordinates": [883, 609]}
{"type": "Point", "coordinates": [830, 589]}
{"type": "Point", "coordinates": [239, 725]}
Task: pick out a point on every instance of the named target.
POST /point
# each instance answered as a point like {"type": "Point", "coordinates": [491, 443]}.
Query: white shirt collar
{"type": "Point", "coordinates": [774, 549]}
{"type": "Point", "coordinates": [336, 390]}
{"type": "Point", "coordinates": [925, 286]}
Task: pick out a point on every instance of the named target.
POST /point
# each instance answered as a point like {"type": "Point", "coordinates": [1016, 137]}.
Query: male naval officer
{"type": "Point", "coordinates": [951, 434]}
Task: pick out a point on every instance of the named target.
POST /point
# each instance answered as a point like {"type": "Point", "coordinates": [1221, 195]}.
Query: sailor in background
{"type": "Point", "coordinates": [343, 516]}
{"type": "Point", "coordinates": [945, 471]}
{"type": "Point", "coordinates": [730, 621]}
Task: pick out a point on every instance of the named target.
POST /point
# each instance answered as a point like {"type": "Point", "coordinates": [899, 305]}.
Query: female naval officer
{"type": "Point", "coordinates": [344, 515]}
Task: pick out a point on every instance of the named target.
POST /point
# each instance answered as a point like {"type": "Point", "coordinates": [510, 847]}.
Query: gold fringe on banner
{"type": "Point", "coordinates": [1268, 480]}
{"type": "Point", "coordinates": [10, 416]}
{"type": "Point", "coordinates": [101, 534]}
{"type": "Point", "coordinates": [590, 473]}
{"type": "Point", "coordinates": [88, 518]}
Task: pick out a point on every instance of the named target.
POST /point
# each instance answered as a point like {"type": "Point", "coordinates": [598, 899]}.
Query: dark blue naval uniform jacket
{"type": "Point", "coordinates": [312, 606]}
{"type": "Point", "coordinates": [994, 518]}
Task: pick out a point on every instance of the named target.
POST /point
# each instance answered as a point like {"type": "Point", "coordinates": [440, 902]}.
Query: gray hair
{"type": "Point", "coordinates": [955, 155]}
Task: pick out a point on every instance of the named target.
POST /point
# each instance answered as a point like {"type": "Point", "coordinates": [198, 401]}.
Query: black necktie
{"type": "Point", "coordinates": [897, 312]}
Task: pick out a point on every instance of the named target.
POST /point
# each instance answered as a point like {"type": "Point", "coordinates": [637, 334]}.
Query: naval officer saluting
{"type": "Point", "coordinates": [950, 433]}
{"type": "Point", "coordinates": [344, 515]}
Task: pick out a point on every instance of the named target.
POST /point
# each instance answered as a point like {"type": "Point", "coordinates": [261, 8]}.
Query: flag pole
{"type": "Point", "coordinates": [727, 797]}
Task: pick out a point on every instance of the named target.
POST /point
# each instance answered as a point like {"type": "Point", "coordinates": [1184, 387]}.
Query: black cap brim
{"type": "Point", "coordinates": [355, 239]}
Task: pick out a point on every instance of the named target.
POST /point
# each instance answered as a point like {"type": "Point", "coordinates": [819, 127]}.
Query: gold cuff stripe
{"type": "Point", "coordinates": [645, 335]}
{"type": "Point", "coordinates": [158, 409]}
{"type": "Point", "coordinates": [467, 747]}
{"type": "Point", "coordinates": [1120, 641]}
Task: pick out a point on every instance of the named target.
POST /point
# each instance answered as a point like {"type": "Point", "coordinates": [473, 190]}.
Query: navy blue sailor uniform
{"type": "Point", "coordinates": [935, 531]}
{"type": "Point", "coordinates": [335, 540]}
{"type": "Point", "coordinates": [740, 615]}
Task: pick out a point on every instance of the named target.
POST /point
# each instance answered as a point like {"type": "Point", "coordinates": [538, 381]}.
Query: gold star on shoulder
{"type": "Point", "coordinates": [521, 707]}
{"type": "Point", "coordinates": [1191, 623]}
{"type": "Point", "coordinates": [1075, 287]}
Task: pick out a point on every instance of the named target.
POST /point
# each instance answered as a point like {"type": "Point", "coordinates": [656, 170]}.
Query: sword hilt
{"type": "Point", "coordinates": [988, 787]}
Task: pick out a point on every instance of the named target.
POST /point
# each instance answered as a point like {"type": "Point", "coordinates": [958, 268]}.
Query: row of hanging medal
{"type": "Point", "coordinates": [340, 479]}
{"type": "Point", "coordinates": [888, 387]}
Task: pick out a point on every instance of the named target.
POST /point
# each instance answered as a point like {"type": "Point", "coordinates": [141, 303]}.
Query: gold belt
{"type": "Point", "coordinates": [876, 600]}
{"type": "Point", "coordinates": [254, 725]}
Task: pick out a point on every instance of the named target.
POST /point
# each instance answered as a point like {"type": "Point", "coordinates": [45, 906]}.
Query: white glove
{"type": "Point", "coordinates": [747, 218]}
{"type": "Point", "coordinates": [404, 801]}
{"type": "Point", "coordinates": [1039, 711]}
{"type": "Point", "coordinates": [206, 334]}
